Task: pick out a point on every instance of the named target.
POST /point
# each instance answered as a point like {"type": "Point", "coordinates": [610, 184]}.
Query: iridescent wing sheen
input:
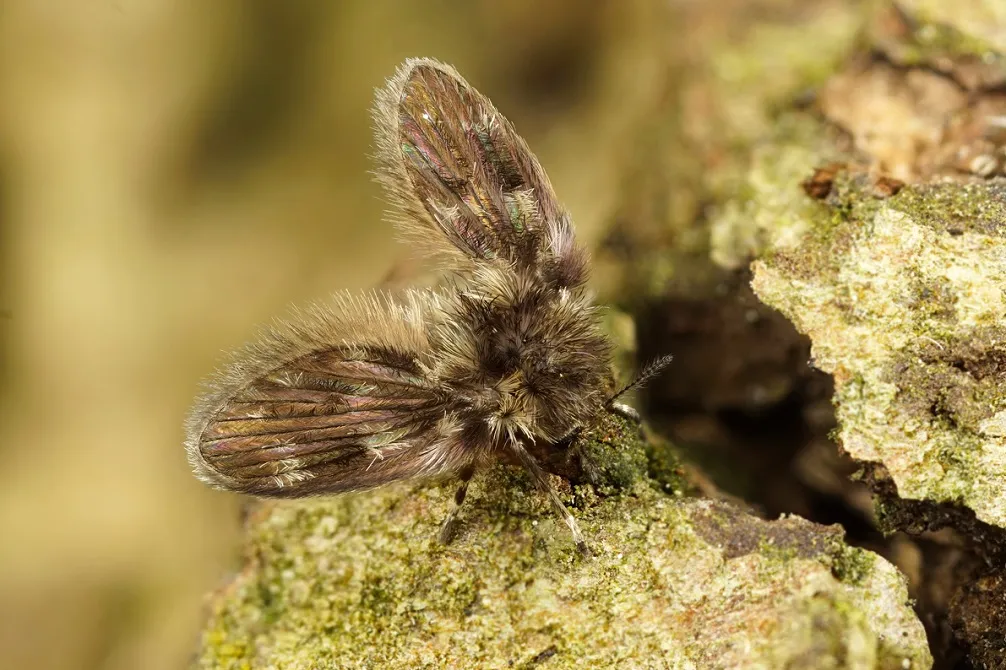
{"type": "Point", "coordinates": [334, 400]}
{"type": "Point", "coordinates": [456, 168]}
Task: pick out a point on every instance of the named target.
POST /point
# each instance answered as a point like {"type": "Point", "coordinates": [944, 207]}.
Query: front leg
{"type": "Point", "coordinates": [545, 486]}
{"type": "Point", "coordinates": [572, 446]}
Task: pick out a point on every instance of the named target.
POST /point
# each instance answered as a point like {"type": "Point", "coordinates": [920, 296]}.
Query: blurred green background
{"type": "Point", "coordinates": [174, 172]}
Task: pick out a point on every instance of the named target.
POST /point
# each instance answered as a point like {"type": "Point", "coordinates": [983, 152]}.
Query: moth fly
{"type": "Point", "coordinates": [371, 389]}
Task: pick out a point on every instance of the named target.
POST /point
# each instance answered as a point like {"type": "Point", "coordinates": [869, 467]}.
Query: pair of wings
{"type": "Point", "coordinates": [338, 398]}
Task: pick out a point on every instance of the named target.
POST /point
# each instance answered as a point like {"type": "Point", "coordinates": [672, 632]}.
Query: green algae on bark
{"type": "Point", "coordinates": [904, 303]}
{"type": "Point", "coordinates": [768, 208]}
{"type": "Point", "coordinates": [360, 581]}
{"type": "Point", "coordinates": [730, 76]}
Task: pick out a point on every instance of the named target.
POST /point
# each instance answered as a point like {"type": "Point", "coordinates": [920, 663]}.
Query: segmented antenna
{"type": "Point", "coordinates": [651, 370]}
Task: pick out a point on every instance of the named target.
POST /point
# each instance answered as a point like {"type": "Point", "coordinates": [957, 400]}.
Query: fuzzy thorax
{"type": "Point", "coordinates": [529, 357]}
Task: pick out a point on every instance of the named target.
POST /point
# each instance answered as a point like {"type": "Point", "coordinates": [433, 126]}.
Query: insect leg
{"type": "Point", "coordinates": [568, 439]}
{"type": "Point", "coordinates": [587, 464]}
{"type": "Point", "coordinates": [450, 523]}
{"type": "Point", "coordinates": [541, 481]}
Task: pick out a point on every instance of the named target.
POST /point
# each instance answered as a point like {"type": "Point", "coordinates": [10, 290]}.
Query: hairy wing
{"type": "Point", "coordinates": [334, 400]}
{"type": "Point", "coordinates": [455, 167]}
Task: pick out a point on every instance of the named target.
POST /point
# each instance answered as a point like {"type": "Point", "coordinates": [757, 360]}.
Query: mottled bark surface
{"type": "Point", "coordinates": [675, 582]}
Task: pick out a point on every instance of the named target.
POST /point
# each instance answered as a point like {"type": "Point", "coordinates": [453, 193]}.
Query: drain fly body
{"type": "Point", "coordinates": [370, 389]}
